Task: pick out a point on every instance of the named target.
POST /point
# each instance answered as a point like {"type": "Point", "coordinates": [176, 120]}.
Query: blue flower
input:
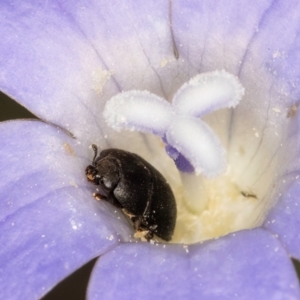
{"type": "Point", "coordinates": [63, 60]}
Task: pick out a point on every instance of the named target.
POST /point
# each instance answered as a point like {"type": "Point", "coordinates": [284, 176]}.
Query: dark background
{"type": "Point", "coordinates": [74, 286]}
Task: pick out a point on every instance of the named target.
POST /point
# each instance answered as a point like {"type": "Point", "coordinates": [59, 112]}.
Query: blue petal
{"type": "Point", "coordinates": [61, 84]}
{"type": "Point", "coordinates": [284, 220]}
{"type": "Point", "coordinates": [259, 42]}
{"type": "Point", "coordinates": [50, 224]}
{"type": "Point", "coordinates": [246, 265]}
{"type": "Point", "coordinates": [63, 60]}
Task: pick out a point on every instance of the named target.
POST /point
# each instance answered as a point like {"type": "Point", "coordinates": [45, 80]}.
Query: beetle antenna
{"type": "Point", "coordinates": [95, 148]}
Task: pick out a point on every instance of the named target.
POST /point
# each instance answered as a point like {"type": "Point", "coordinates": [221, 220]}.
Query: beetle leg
{"type": "Point", "coordinates": [149, 235]}
{"type": "Point", "coordinates": [144, 235]}
{"type": "Point", "coordinates": [142, 231]}
{"type": "Point", "coordinates": [146, 211]}
{"type": "Point", "coordinates": [137, 222]}
{"type": "Point", "coordinates": [98, 196]}
{"type": "Point", "coordinates": [111, 200]}
{"type": "Point", "coordinates": [127, 213]}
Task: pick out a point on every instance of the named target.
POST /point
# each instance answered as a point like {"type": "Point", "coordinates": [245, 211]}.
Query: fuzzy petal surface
{"type": "Point", "coordinates": [283, 220]}
{"type": "Point", "coordinates": [50, 224]}
{"type": "Point", "coordinates": [70, 63]}
{"type": "Point", "coordinates": [219, 269]}
{"type": "Point", "coordinates": [64, 60]}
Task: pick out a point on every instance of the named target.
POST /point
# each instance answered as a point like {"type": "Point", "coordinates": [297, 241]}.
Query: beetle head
{"type": "Point", "coordinates": [104, 172]}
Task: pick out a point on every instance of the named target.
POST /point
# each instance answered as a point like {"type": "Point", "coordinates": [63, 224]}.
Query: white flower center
{"type": "Point", "coordinates": [212, 197]}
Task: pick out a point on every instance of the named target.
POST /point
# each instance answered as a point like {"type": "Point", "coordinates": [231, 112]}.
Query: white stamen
{"type": "Point", "coordinates": [208, 92]}
{"type": "Point", "coordinates": [204, 93]}
{"type": "Point", "coordinates": [140, 111]}
{"type": "Point", "coordinates": [197, 141]}
{"type": "Point", "coordinates": [179, 123]}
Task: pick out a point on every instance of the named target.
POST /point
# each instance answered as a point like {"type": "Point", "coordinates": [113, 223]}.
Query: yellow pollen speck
{"type": "Point", "coordinates": [277, 110]}
{"type": "Point", "coordinates": [100, 78]}
{"type": "Point", "coordinates": [163, 62]}
{"type": "Point", "coordinates": [292, 111]}
{"type": "Point", "coordinates": [242, 150]}
{"type": "Point", "coordinates": [69, 149]}
{"type": "Point", "coordinates": [73, 183]}
{"type": "Point", "coordinates": [141, 235]}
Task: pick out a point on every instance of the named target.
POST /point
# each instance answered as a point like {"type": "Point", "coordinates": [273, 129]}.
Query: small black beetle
{"type": "Point", "coordinates": [129, 182]}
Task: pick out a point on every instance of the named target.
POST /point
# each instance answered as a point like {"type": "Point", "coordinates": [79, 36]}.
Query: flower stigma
{"type": "Point", "coordinates": [211, 200]}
